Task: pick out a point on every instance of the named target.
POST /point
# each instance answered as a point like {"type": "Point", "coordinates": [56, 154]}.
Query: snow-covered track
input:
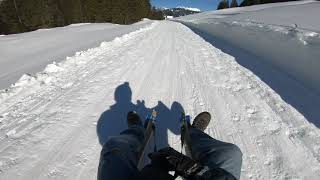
{"type": "Point", "coordinates": [49, 130]}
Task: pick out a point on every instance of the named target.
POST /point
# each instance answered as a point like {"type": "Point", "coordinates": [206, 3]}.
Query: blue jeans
{"type": "Point", "coordinates": [119, 156]}
{"type": "Point", "coordinates": [215, 154]}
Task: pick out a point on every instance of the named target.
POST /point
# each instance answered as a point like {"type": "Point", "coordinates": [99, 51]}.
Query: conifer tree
{"type": "Point", "coordinates": [26, 15]}
{"type": "Point", "coordinates": [223, 4]}
{"type": "Point", "coordinates": [8, 18]}
{"type": "Point", "coordinates": [234, 3]}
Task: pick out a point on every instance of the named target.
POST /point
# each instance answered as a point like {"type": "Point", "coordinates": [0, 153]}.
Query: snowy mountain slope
{"type": "Point", "coordinates": [49, 122]}
{"type": "Point", "coordinates": [179, 11]}
{"type": "Point", "coordinates": [31, 52]}
{"type": "Point", "coordinates": [190, 8]}
{"type": "Point", "coordinates": [258, 9]}
{"type": "Point", "coordinates": [283, 35]}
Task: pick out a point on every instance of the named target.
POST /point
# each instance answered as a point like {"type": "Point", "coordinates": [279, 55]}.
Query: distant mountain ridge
{"type": "Point", "coordinates": [180, 11]}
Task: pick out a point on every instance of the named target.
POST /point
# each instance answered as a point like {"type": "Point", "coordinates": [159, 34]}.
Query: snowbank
{"type": "Point", "coordinates": [294, 49]}
{"type": "Point", "coordinates": [31, 52]}
{"type": "Point", "coordinates": [50, 75]}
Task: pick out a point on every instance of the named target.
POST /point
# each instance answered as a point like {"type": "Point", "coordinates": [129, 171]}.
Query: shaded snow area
{"type": "Point", "coordinates": [31, 52]}
{"type": "Point", "coordinates": [52, 123]}
{"type": "Point", "coordinates": [284, 35]}
{"type": "Point", "coordinates": [279, 43]}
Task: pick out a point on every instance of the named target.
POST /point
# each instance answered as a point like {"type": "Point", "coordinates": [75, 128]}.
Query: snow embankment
{"type": "Point", "coordinates": [50, 75]}
{"type": "Point", "coordinates": [285, 35]}
{"type": "Point", "coordinates": [29, 53]}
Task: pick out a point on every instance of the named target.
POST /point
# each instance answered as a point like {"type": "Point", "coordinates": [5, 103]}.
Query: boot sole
{"type": "Point", "coordinates": [201, 121]}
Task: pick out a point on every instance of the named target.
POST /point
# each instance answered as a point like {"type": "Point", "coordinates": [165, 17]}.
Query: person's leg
{"type": "Point", "coordinates": [215, 154]}
{"type": "Point", "coordinates": [119, 155]}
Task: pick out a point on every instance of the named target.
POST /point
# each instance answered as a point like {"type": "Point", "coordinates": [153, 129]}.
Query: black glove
{"type": "Point", "coordinates": [171, 160]}
{"type": "Point", "coordinates": [151, 172]}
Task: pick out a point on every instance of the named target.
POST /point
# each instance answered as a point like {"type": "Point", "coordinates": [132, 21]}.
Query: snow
{"type": "Point", "coordinates": [52, 68]}
{"type": "Point", "coordinates": [52, 122]}
{"type": "Point", "coordinates": [292, 26]}
{"type": "Point", "coordinates": [249, 9]}
{"type": "Point", "coordinates": [48, 130]}
{"type": "Point", "coordinates": [190, 8]}
{"type": "Point", "coordinates": [10, 133]}
{"type": "Point", "coordinates": [31, 52]}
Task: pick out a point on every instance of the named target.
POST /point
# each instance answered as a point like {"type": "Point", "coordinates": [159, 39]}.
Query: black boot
{"type": "Point", "coordinates": [201, 121]}
{"type": "Point", "coordinates": [133, 119]}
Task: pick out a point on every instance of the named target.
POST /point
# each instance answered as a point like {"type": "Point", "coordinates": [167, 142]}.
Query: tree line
{"type": "Point", "coordinates": [225, 3]}
{"type": "Point", "coordinates": [18, 16]}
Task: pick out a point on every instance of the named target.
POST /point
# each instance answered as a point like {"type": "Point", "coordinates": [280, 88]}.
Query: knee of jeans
{"type": "Point", "coordinates": [235, 151]}
{"type": "Point", "coordinates": [113, 143]}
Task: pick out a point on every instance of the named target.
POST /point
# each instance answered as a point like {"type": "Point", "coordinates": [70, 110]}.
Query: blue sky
{"type": "Point", "coordinates": [203, 5]}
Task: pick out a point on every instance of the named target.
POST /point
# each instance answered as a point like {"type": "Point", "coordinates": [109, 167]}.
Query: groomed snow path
{"type": "Point", "coordinates": [48, 125]}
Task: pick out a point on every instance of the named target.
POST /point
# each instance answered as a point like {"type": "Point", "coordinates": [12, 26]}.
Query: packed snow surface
{"type": "Point", "coordinates": [52, 123]}
{"type": "Point", "coordinates": [31, 52]}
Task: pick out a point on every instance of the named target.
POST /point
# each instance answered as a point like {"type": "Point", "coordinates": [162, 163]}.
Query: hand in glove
{"type": "Point", "coordinates": [172, 160]}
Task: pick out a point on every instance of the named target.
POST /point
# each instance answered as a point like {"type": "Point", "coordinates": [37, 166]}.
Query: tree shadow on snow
{"type": "Point", "coordinates": [291, 91]}
{"type": "Point", "coordinates": [113, 120]}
